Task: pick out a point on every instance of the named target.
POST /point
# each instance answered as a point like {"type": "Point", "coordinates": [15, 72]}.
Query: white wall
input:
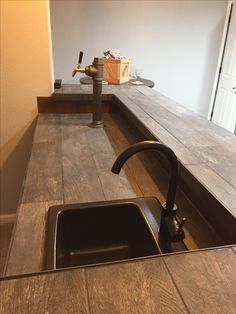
{"type": "Point", "coordinates": [26, 72]}
{"type": "Point", "coordinates": [174, 43]}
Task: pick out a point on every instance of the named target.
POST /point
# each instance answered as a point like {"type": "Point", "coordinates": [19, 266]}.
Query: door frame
{"type": "Point", "coordinates": [231, 3]}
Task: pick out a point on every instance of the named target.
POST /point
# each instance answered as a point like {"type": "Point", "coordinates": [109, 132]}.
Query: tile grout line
{"type": "Point", "coordinates": [94, 162]}
{"type": "Point", "coordinates": [187, 147]}
{"type": "Point", "coordinates": [234, 249]}
{"type": "Point", "coordinates": [62, 169]}
{"type": "Point", "coordinates": [164, 127]}
{"type": "Point", "coordinates": [175, 285]}
{"type": "Point", "coordinates": [87, 291]}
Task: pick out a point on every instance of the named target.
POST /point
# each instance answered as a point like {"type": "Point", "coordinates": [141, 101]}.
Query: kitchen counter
{"type": "Point", "coordinates": [193, 282]}
{"type": "Point", "coordinates": [206, 150]}
{"type": "Point", "coordinates": [70, 163]}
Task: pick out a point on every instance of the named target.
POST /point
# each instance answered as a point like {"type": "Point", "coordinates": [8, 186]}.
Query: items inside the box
{"type": "Point", "coordinates": [113, 54]}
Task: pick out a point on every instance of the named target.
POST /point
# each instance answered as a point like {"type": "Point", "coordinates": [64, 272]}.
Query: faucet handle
{"type": "Point", "coordinates": [80, 57]}
{"type": "Point", "coordinates": [74, 72]}
{"type": "Point", "coordinates": [79, 69]}
{"type": "Point", "coordinates": [181, 224]}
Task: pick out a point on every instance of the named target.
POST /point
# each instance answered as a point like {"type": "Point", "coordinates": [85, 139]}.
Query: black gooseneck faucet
{"type": "Point", "coordinates": [171, 228]}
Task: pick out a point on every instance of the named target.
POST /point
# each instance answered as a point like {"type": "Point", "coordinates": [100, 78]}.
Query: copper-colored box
{"type": "Point", "coordinates": [116, 71]}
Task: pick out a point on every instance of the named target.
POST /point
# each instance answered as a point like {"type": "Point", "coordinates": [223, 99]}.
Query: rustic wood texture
{"type": "Point", "coordinates": [194, 282]}
{"type": "Point", "coordinates": [81, 89]}
{"type": "Point", "coordinates": [169, 120]}
{"type": "Point", "coordinates": [138, 287]}
{"type": "Point", "coordinates": [214, 181]}
{"type": "Point", "coordinates": [5, 239]}
{"type": "Point", "coordinates": [211, 146]}
{"type": "Point", "coordinates": [43, 180]}
{"type": "Point", "coordinates": [70, 104]}
{"type": "Point", "coordinates": [153, 110]}
{"type": "Point", "coordinates": [177, 127]}
{"type": "Point", "coordinates": [194, 139]}
{"type": "Point", "coordinates": [63, 292]}
{"type": "Point", "coordinates": [206, 280]}
{"type": "Point", "coordinates": [80, 177]}
{"type": "Point", "coordinates": [219, 159]}
{"type": "Point", "coordinates": [220, 189]}
{"type": "Point", "coordinates": [160, 132]}
{"type": "Point", "coordinates": [114, 186]}
{"type": "Point", "coordinates": [143, 286]}
{"type": "Point", "coordinates": [80, 166]}
{"type": "Point", "coordinates": [154, 182]}
{"type": "Point", "coordinates": [28, 246]}
{"type": "Point", "coordinates": [121, 137]}
{"type": "Point", "coordinates": [87, 159]}
{"type": "Point", "coordinates": [47, 128]}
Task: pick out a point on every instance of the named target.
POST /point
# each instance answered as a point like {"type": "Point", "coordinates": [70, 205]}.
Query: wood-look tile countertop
{"type": "Point", "coordinates": [193, 282]}
{"type": "Point", "coordinates": [206, 150]}
{"type": "Point", "coordinates": [70, 163]}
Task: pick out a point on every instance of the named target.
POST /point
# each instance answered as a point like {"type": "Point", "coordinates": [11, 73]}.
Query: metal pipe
{"type": "Point", "coordinates": [96, 72]}
{"type": "Point", "coordinates": [97, 92]}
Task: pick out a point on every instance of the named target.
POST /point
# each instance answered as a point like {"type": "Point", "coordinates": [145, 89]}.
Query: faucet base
{"type": "Point", "coordinates": [97, 124]}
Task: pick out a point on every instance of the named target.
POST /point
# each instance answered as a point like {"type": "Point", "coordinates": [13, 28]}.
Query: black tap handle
{"type": "Point", "coordinates": [171, 229]}
{"type": "Point", "coordinates": [181, 224]}
{"type": "Point", "coordinates": [80, 57]}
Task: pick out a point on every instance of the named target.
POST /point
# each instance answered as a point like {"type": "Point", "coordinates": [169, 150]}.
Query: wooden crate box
{"type": "Point", "coordinates": [116, 71]}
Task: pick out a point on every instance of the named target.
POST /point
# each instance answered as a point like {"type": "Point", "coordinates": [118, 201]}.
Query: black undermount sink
{"type": "Point", "coordinates": [93, 233]}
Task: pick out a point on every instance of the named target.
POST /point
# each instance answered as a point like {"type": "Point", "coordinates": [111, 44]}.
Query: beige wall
{"type": "Point", "coordinates": [26, 72]}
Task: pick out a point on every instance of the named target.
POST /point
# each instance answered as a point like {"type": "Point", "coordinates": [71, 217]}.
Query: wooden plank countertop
{"type": "Point", "coordinates": [61, 172]}
{"type": "Point", "coordinates": [193, 282]}
{"type": "Point", "coordinates": [206, 150]}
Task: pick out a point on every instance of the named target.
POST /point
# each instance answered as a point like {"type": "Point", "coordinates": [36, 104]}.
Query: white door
{"type": "Point", "coordinates": [224, 112]}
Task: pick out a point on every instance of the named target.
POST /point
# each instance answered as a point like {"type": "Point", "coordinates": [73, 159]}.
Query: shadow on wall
{"type": "Point", "coordinates": [13, 169]}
